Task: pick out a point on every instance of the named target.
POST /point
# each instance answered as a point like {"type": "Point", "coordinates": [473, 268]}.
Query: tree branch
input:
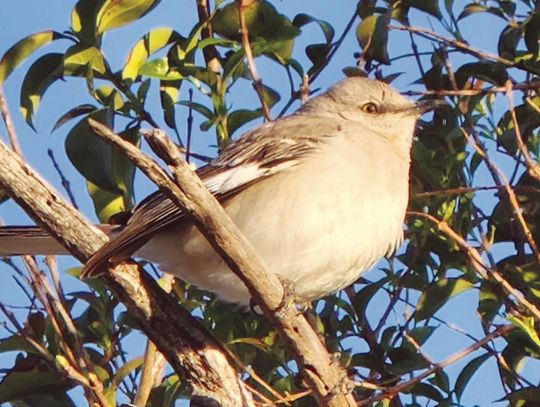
{"type": "Point", "coordinates": [257, 82]}
{"type": "Point", "coordinates": [475, 258]}
{"type": "Point", "coordinates": [190, 350]}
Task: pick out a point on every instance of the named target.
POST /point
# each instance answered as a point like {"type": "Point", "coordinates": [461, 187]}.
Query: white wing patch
{"type": "Point", "coordinates": [229, 179]}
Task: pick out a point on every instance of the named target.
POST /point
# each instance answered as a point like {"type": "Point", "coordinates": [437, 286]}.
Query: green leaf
{"type": "Point", "coordinates": [426, 390]}
{"type": "Point", "coordinates": [80, 59]}
{"type": "Point", "coordinates": [152, 42]}
{"type": "Point", "coordinates": [16, 343]}
{"type": "Point", "coordinates": [83, 21]}
{"type": "Point", "coordinates": [317, 54]}
{"type": "Point", "coordinates": [240, 117]}
{"type": "Point", "coordinates": [199, 108]}
{"type": "Point", "coordinates": [489, 301]}
{"type": "Point", "coordinates": [91, 155]}
{"type": "Point", "coordinates": [421, 334]}
{"type": "Point", "coordinates": [168, 96]}
{"type": "Point", "coordinates": [30, 377]}
{"type": "Point", "coordinates": [405, 359]}
{"type": "Point", "coordinates": [364, 296]}
{"type": "Point", "coordinates": [271, 32]}
{"type": "Point", "coordinates": [467, 373]}
{"type": "Point", "coordinates": [117, 13]}
{"type": "Point", "coordinates": [23, 48]}
{"type": "Point", "coordinates": [72, 113]}
{"type": "Point", "coordinates": [489, 71]}
{"type": "Point", "coordinates": [126, 368]}
{"type": "Point", "coordinates": [527, 325]}
{"type": "Point", "coordinates": [508, 42]}
{"type": "Point", "coordinates": [302, 19]}
{"type": "Point", "coordinates": [372, 35]}
{"type": "Point", "coordinates": [106, 204]}
{"type": "Point", "coordinates": [159, 69]}
{"type": "Point", "coordinates": [438, 294]}
{"type": "Point", "coordinates": [109, 96]}
{"type": "Point", "coordinates": [472, 8]}
{"type": "Point", "coordinates": [525, 397]}
{"type": "Point", "coordinates": [428, 6]}
{"type": "Point", "coordinates": [39, 77]}
{"type": "Point", "coordinates": [122, 173]}
{"type": "Point", "coordinates": [532, 34]}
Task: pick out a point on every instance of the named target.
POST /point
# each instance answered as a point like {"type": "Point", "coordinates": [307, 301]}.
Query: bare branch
{"type": "Point", "coordinates": [210, 53]}
{"type": "Point", "coordinates": [257, 82]}
{"type": "Point", "coordinates": [511, 198]}
{"type": "Point", "coordinates": [10, 127]}
{"type": "Point", "coordinates": [390, 392]}
{"type": "Point", "coordinates": [189, 348]}
{"type": "Point", "coordinates": [532, 169]}
{"type": "Point", "coordinates": [476, 260]}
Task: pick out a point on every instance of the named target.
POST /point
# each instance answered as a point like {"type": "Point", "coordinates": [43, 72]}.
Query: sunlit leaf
{"type": "Point", "coordinates": [116, 13]}
{"type": "Point", "coordinates": [273, 32]}
{"type": "Point", "coordinates": [23, 48]}
{"type": "Point", "coordinates": [45, 71]}
{"type": "Point", "coordinates": [372, 35]}
{"type": "Point", "coordinates": [109, 96]}
{"type": "Point", "coordinates": [79, 59]}
{"type": "Point", "coordinates": [159, 69]}
{"type": "Point", "coordinates": [472, 8]}
{"type": "Point", "coordinates": [438, 294]}
{"type": "Point", "coordinates": [146, 46]}
{"type": "Point", "coordinates": [168, 96]}
{"type": "Point", "coordinates": [83, 21]}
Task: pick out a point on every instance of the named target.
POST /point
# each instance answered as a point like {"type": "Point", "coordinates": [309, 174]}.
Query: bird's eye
{"type": "Point", "coordinates": [370, 108]}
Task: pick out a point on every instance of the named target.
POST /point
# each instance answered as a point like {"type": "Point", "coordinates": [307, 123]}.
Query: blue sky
{"type": "Point", "coordinates": [26, 16]}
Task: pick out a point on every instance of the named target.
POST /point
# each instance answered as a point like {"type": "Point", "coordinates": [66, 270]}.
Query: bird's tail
{"type": "Point", "coordinates": [33, 240]}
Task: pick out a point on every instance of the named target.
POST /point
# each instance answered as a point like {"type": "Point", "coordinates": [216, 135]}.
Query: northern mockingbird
{"type": "Point", "coordinates": [320, 194]}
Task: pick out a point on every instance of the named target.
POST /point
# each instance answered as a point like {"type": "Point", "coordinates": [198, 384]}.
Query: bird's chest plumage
{"type": "Point", "coordinates": [317, 225]}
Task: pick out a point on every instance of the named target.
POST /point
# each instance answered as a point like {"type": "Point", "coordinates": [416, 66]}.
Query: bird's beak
{"type": "Point", "coordinates": [427, 105]}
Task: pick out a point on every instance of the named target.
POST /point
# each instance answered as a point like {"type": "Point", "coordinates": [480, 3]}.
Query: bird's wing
{"type": "Point", "coordinates": [257, 155]}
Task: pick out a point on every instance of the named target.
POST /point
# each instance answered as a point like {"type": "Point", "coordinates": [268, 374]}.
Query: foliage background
{"type": "Point", "coordinates": [441, 170]}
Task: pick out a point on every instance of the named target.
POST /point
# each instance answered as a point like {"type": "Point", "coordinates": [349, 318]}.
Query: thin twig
{"type": "Point", "coordinates": [462, 46]}
{"type": "Point", "coordinates": [500, 179]}
{"type": "Point", "coordinates": [154, 361]}
{"type": "Point", "coordinates": [335, 46]}
{"type": "Point", "coordinates": [210, 53]}
{"type": "Point", "coordinates": [476, 260]}
{"type": "Point", "coordinates": [392, 391]}
{"type": "Point", "coordinates": [10, 127]}
{"type": "Point", "coordinates": [189, 125]}
{"type": "Point", "coordinates": [417, 56]}
{"type": "Point", "coordinates": [468, 190]}
{"type": "Point", "coordinates": [65, 182]}
{"type": "Point", "coordinates": [532, 169]}
{"type": "Point", "coordinates": [534, 85]}
{"type": "Point", "coordinates": [257, 82]}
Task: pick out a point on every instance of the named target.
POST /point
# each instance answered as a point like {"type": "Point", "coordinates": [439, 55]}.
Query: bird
{"type": "Point", "coordinates": [321, 194]}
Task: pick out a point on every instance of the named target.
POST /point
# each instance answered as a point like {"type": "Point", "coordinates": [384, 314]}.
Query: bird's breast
{"type": "Point", "coordinates": [317, 225]}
